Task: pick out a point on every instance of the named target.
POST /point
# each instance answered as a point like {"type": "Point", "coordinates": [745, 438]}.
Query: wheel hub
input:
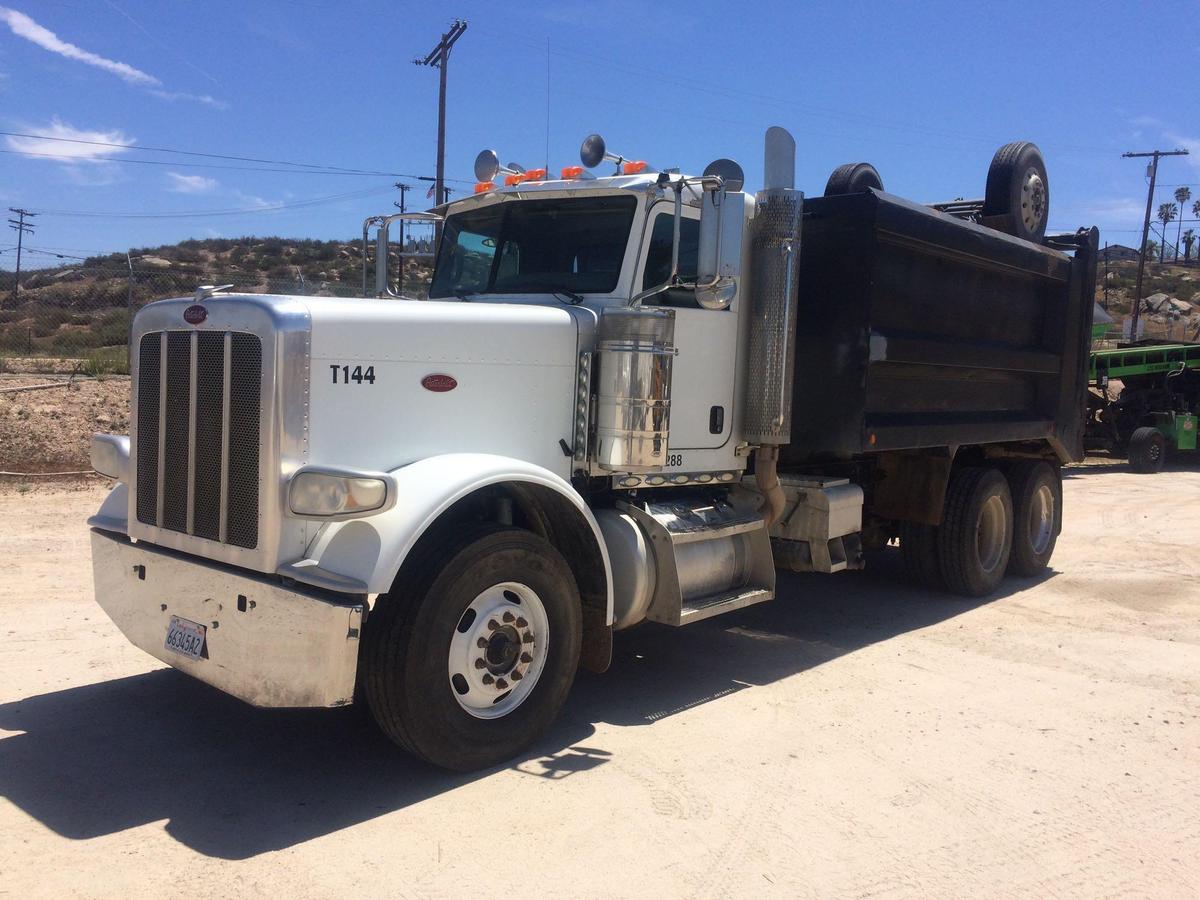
{"type": "Point", "coordinates": [990, 533]}
{"type": "Point", "coordinates": [1033, 199]}
{"type": "Point", "coordinates": [498, 650]}
{"type": "Point", "coordinates": [1041, 518]}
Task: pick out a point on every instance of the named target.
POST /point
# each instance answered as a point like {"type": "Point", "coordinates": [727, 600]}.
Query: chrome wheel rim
{"type": "Point", "coordinates": [498, 650]}
{"type": "Point", "coordinates": [1033, 200]}
{"type": "Point", "coordinates": [989, 534]}
{"type": "Point", "coordinates": [1041, 519]}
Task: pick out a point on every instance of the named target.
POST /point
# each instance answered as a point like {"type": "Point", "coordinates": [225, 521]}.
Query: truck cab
{"type": "Point", "coordinates": [599, 417]}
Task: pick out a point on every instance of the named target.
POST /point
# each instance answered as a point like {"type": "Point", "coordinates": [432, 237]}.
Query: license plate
{"type": "Point", "coordinates": [186, 638]}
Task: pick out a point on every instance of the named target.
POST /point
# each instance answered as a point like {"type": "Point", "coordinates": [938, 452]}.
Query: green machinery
{"type": "Point", "coordinates": [1157, 408]}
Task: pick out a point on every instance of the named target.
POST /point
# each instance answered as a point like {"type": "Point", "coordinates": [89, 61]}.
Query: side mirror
{"type": "Point", "coordinates": [719, 257]}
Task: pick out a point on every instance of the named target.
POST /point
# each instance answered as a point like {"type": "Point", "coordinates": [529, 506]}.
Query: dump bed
{"type": "Point", "coordinates": [916, 329]}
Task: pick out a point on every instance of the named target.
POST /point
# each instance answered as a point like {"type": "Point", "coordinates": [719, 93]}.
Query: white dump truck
{"type": "Point", "coordinates": [630, 397]}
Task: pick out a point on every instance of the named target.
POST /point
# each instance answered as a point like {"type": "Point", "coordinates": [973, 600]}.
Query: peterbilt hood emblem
{"type": "Point", "coordinates": [439, 383]}
{"type": "Point", "coordinates": [195, 314]}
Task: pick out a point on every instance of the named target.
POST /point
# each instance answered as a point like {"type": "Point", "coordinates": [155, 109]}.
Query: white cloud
{"type": "Point", "coordinates": [1191, 144]}
{"type": "Point", "coordinates": [206, 99]}
{"type": "Point", "coordinates": [24, 27]}
{"type": "Point", "coordinates": [63, 150]}
{"type": "Point", "coordinates": [253, 201]}
{"type": "Point", "coordinates": [191, 184]}
{"type": "Point", "coordinates": [1116, 208]}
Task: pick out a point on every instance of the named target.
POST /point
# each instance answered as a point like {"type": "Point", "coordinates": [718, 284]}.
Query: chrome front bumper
{"type": "Point", "coordinates": [265, 644]}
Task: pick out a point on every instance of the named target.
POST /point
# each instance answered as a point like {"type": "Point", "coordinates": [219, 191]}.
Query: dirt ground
{"type": "Point", "coordinates": [855, 737]}
{"type": "Point", "coordinates": [51, 430]}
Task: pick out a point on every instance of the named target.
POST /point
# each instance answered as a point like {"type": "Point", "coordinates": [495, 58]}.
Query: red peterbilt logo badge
{"type": "Point", "coordinates": [195, 314]}
{"type": "Point", "coordinates": [438, 383]}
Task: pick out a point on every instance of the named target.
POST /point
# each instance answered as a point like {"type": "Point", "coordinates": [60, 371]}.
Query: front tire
{"type": "Point", "coordinates": [472, 653]}
{"type": "Point", "coordinates": [1147, 450]}
{"type": "Point", "coordinates": [1037, 516]}
{"type": "Point", "coordinates": [975, 537]}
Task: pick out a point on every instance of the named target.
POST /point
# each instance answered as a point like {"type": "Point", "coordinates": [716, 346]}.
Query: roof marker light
{"type": "Point", "coordinates": [483, 187]}
{"type": "Point", "coordinates": [572, 172]}
{"type": "Point", "coordinates": [634, 168]}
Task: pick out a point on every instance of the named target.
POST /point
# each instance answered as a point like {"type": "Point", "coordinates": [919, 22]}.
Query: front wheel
{"type": "Point", "coordinates": [1147, 450]}
{"type": "Point", "coordinates": [471, 655]}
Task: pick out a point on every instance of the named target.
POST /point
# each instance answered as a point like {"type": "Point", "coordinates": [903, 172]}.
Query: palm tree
{"type": "Point", "coordinates": [1182, 196]}
{"type": "Point", "coordinates": [1189, 241]}
{"type": "Point", "coordinates": [1150, 249]}
{"type": "Point", "coordinates": [1166, 215]}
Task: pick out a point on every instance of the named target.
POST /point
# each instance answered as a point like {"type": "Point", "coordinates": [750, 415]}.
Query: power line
{"type": "Point", "coordinates": [711, 87]}
{"type": "Point", "coordinates": [439, 58]}
{"type": "Point", "coordinates": [180, 164]}
{"type": "Point", "coordinates": [22, 228]}
{"type": "Point", "coordinates": [253, 159]}
{"type": "Point", "coordinates": [195, 214]}
{"type": "Point", "coordinates": [1154, 155]}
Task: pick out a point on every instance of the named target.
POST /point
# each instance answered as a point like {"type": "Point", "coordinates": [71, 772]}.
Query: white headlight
{"type": "Point", "coordinates": [325, 494]}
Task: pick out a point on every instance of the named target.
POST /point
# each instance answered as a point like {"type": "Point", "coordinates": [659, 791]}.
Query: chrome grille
{"type": "Point", "coordinates": [198, 420]}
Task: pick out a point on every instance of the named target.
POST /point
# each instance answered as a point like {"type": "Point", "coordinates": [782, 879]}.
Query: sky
{"type": "Point", "coordinates": [926, 92]}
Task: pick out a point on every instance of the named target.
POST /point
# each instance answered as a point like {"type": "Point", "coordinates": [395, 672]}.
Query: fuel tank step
{"type": "Point", "coordinates": [722, 603]}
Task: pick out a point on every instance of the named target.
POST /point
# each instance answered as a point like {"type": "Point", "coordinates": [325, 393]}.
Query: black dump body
{"type": "Point", "coordinates": [917, 330]}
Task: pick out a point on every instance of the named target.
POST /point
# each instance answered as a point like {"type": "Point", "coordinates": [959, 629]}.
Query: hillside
{"type": "Point", "coordinates": [271, 264]}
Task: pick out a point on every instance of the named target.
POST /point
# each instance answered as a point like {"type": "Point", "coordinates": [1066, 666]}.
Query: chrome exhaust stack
{"type": "Point", "coordinates": [775, 247]}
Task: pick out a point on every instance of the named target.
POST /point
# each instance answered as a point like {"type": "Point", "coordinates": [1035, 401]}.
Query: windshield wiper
{"type": "Point", "coordinates": [574, 298]}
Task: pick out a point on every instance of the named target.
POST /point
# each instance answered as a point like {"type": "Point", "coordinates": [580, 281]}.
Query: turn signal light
{"type": "Point", "coordinates": [483, 187]}
{"type": "Point", "coordinates": [572, 171]}
{"type": "Point", "coordinates": [634, 168]}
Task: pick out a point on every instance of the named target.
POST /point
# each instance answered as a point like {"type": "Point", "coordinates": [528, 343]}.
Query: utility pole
{"type": "Point", "coordinates": [403, 189]}
{"type": "Point", "coordinates": [1155, 155]}
{"type": "Point", "coordinates": [438, 57]}
{"type": "Point", "coordinates": [22, 228]}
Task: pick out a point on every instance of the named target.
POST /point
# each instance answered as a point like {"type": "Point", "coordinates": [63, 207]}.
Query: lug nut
{"type": "Point", "coordinates": [526, 658]}
{"type": "Point", "coordinates": [488, 679]}
{"type": "Point", "coordinates": [527, 637]}
{"type": "Point", "coordinates": [508, 617]}
{"type": "Point", "coordinates": [521, 623]}
{"type": "Point", "coordinates": [493, 625]}
{"type": "Point", "coordinates": [501, 685]}
{"type": "Point", "coordinates": [515, 675]}
{"type": "Point", "coordinates": [480, 664]}
{"type": "Point", "coordinates": [481, 643]}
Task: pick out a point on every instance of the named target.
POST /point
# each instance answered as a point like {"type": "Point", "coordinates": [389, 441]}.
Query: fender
{"type": "Point", "coordinates": [364, 555]}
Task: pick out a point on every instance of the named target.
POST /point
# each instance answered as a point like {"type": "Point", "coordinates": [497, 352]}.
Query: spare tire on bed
{"type": "Point", "coordinates": [1017, 196]}
{"type": "Point", "coordinates": [853, 178]}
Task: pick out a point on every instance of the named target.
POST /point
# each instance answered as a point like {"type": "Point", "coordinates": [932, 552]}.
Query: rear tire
{"type": "Point", "coordinates": [853, 178]}
{"type": "Point", "coordinates": [1018, 191]}
{"type": "Point", "coordinates": [424, 685]}
{"type": "Point", "coordinates": [1147, 450]}
{"type": "Point", "coordinates": [975, 537]}
{"type": "Point", "coordinates": [919, 555]}
{"type": "Point", "coordinates": [1037, 516]}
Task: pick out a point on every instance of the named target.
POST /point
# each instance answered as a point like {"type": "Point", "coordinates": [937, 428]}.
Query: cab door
{"type": "Point", "coordinates": [703, 375]}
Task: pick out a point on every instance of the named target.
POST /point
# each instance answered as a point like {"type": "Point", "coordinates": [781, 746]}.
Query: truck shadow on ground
{"type": "Point", "coordinates": [234, 782]}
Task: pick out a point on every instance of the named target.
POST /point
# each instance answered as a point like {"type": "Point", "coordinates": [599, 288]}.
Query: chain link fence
{"type": "Point", "coordinates": [76, 319]}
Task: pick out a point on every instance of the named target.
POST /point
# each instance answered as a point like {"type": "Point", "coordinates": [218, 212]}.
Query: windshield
{"type": "Point", "coordinates": [534, 246]}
